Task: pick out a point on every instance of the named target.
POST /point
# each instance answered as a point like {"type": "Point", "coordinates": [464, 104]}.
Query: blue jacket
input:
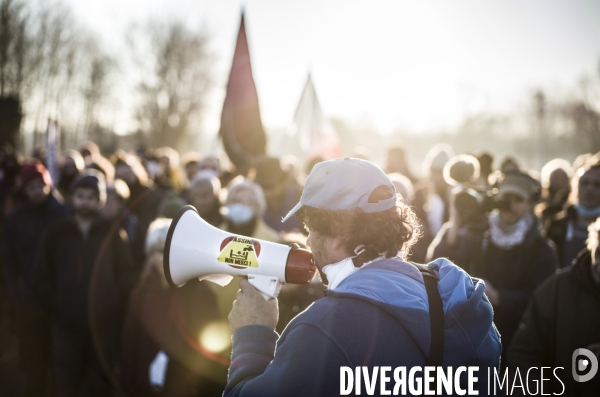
{"type": "Point", "coordinates": [378, 316]}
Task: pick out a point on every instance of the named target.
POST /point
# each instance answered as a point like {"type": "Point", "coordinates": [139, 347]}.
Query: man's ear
{"type": "Point", "coordinates": [336, 243]}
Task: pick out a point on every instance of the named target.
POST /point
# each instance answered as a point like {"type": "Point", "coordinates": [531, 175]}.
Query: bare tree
{"type": "Point", "coordinates": [50, 67]}
{"type": "Point", "coordinates": [586, 122]}
{"type": "Point", "coordinates": [13, 20]}
{"type": "Point", "coordinates": [55, 42]}
{"type": "Point", "coordinates": [175, 64]}
{"type": "Point", "coordinates": [583, 110]}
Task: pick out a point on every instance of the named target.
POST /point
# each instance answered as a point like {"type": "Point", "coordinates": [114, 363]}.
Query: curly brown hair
{"type": "Point", "coordinates": [388, 232]}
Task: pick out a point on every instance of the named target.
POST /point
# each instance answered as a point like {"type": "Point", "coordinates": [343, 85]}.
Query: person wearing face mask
{"type": "Point", "coordinates": [563, 315]}
{"type": "Point", "coordinates": [568, 230]}
{"type": "Point", "coordinates": [510, 255]}
{"type": "Point", "coordinates": [244, 205]}
{"type": "Point", "coordinates": [378, 309]}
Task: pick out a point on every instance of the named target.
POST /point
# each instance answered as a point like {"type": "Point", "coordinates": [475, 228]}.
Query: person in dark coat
{"type": "Point", "coordinates": [172, 336]}
{"type": "Point", "coordinates": [115, 210]}
{"type": "Point", "coordinates": [84, 271]}
{"type": "Point", "coordinates": [562, 316]}
{"type": "Point", "coordinates": [569, 230]}
{"type": "Point", "coordinates": [143, 201]}
{"type": "Point", "coordinates": [510, 254]}
{"type": "Point", "coordinates": [23, 230]}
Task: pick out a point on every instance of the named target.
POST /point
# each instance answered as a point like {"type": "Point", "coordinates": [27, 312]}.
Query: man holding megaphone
{"type": "Point", "coordinates": [378, 310]}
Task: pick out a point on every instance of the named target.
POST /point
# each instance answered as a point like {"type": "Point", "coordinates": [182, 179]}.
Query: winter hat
{"type": "Point", "coordinates": [33, 171]}
{"type": "Point", "coordinates": [520, 184]}
{"type": "Point", "coordinates": [90, 179]}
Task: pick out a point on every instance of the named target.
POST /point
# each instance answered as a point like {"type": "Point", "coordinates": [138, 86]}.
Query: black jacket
{"type": "Point", "coordinates": [143, 202]}
{"type": "Point", "coordinates": [557, 232]}
{"type": "Point", "coordinates": [23, 229]}
{"type": "Point", "coordinates": [81, 281]}
{"type": "Point", "coordinates": [563, 315]}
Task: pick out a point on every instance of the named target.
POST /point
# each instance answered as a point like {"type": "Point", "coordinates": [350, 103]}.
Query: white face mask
{"type": "Point", "coordinates": [337, 272]}
{"type": "Point", "coordinates": [239, 213]}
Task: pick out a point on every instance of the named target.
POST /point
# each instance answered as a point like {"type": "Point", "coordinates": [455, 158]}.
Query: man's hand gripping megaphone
{"type": "Point", "coordinates": [251, 307]}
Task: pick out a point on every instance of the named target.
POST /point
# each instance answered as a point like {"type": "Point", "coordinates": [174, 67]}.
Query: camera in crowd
{"type": "Point", "coordinates": [473, 199]}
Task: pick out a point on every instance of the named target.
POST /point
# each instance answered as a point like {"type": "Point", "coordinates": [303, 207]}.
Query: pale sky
{"type": "Point", "coordinates": [418, 65]}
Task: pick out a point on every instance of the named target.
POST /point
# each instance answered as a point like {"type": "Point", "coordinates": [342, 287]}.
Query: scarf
{"type": "Point", "coordinates": [587, 213]}
{"type": "Point", "coordinates": [507, 236]}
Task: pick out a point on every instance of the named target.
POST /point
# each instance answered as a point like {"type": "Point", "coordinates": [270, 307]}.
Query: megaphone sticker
{"type": "Point", "coordinates": [239, 252]}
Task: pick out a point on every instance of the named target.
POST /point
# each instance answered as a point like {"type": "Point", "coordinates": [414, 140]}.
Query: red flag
{"type": "Point", "coordinates": [241, 129]}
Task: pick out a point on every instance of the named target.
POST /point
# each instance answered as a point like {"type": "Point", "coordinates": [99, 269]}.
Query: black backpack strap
{"type": "Point", "coordinates": [436, 315]}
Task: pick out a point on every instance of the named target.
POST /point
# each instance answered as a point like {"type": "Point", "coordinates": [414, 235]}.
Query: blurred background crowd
{"type": "Point", "coordinates": [86, 307]}
{"type": "Point", "coordinates": [135, 98]}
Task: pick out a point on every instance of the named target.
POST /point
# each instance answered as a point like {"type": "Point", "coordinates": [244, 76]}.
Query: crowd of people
{"type": "Point", "coordinates": [86, 296]}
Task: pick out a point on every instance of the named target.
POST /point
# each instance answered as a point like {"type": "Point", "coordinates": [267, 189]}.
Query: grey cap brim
{"type": "Point", "coordinates": [519, 191]}
{"type": "Point", "coordinates": [296, 208]}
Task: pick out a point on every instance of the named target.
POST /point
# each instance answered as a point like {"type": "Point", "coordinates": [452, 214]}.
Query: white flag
{"type": "Point", "coordinates": [314, 132]}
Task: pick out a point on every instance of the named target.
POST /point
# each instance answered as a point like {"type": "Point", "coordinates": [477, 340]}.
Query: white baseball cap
{"type": "Point", "coordinates": [344, 184]}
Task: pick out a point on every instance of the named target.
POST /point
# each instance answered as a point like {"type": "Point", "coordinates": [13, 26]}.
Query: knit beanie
{"type": "Point", "coordinates": [90, 179]}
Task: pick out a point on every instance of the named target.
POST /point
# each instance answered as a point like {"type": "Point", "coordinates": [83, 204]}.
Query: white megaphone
{"type": "Point", "coordinates": [195, 249]}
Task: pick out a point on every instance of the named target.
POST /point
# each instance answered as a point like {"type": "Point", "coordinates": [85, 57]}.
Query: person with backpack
{"type": "Point", "coordinates": [510, 254]}
{"type": "Point", "coordinates": [378, 311]}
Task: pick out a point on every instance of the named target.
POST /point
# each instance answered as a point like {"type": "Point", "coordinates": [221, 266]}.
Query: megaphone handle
{"type": "Point", "coordinates": [266, 296]}
{"type": "Point", "coordinates": [268, 287]}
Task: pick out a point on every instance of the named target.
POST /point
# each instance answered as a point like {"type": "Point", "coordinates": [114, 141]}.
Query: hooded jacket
{"type": "Point", "coordinates": [378, 316]}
